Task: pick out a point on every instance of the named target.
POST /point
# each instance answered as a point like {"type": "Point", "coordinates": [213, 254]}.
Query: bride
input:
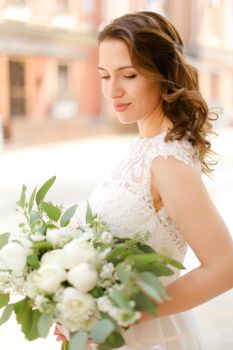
{"type": "Point", "coordinates": [158, 186]}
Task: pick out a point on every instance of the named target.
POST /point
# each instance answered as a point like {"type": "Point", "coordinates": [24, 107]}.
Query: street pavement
{"type": "Point", "coordinates": [79, 165]}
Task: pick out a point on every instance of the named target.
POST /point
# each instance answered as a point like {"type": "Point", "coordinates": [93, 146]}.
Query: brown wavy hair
{"type": "Point", "coordinates": [156, 48]}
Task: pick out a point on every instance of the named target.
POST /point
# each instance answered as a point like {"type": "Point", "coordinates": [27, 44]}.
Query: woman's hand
{"type": "Point", "coordinates": [59, 334]}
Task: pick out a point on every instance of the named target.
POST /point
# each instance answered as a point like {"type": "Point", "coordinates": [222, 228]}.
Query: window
{"type": "Point", "coordinates": [63, 81]}
{"type": "Point", "coordinates": [17, 88]}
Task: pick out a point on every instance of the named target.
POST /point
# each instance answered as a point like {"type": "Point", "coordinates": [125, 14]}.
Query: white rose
{"type": "Point", "coordinates": [76, 311]}
{"type": "Point", "coordinates": [50, 277]}
{"type": "Point", "coordinates": [13, 257]}
{"type": "Point", "coordinates": [58, 237]}
{"type": "Point", "coordinates": [83, 277]}
{"type": "Point", "coordinates": [54, 257]}
{"type": "Point", "coordinates": [76, 252]}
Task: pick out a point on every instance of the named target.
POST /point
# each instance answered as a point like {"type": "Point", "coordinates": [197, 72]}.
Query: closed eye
{"type": "Point", "coordinates": [105, 77]}
{"type": "Point", "coordinates": [131, 76]}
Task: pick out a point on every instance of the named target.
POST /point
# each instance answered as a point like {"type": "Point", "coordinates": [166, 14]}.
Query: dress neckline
{"type": "Point", "coordinates": [149, 138]}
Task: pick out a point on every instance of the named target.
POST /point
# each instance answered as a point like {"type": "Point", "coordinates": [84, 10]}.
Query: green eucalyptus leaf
{"type": "Point", "coordinates": [6, 313]}
{"type": "Point", "coordinates": [101, 330]}
{"type": "Point", "coordinates": [31, 200]}
{"type": "Point", "coordinates": [44, 189]}
{"type": "Point", "coordinates": [152, 286]}
{"type": "Point", "coordinates": [34, 215]}
{"type": "Point", "coordinates": [4, 239]}
{"type": "Point", "coordinates": [21, 202]}
{"type": "Point", "coordinates": [44, 324]}
{"type": "Point", "coordinates": [4, 299]}
{"type": "Point", "coordinates": [157, 269]}
{"type": "Point", "coordinates": [27, 318]}
{"type": "Point", "coordinates": [144, 303]}
{"type": "Point", "coordinates": [119, 253]}
{"type": "Point", "coordinates": [78, 340]}
{"type": "Point", "coordinates": [175, 263]}
{"type": "Point", "coordinates": [115, 340]}
{"type": "Point", "coordinates": [119, 298]}
{"type": "Point", "coordinates": [33, 261]}
{"type": "Point", "coordinates": [67, 215]}
{"type": "Point", "coordinates": [51, 210]}
{"type": "Point", "coordinates": [143, 259]}
{"type": "Point", "coordinates": [123, 273]}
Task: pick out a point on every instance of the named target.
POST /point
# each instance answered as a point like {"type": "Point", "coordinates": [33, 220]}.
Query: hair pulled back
{"type": "Point", "coordinates": [156, 49]}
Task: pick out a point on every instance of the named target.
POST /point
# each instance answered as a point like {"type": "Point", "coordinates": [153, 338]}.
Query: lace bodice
{"type": "Point", "coordinates": [124, 201]}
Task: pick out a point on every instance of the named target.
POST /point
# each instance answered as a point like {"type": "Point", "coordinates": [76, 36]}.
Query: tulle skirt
{"type": "Point", "coordinates": [176, 332]}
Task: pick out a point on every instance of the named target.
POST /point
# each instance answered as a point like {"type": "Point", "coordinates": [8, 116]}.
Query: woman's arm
{"type": "Point", "coordinates": [190, 207]}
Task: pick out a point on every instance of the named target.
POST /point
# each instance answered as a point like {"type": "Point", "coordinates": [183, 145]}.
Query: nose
{"type": "Point", "coordinates": [114, 89]}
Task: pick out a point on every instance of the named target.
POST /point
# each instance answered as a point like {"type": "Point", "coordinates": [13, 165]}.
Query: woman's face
{"type": "Point", "coordinates": [133, 95]}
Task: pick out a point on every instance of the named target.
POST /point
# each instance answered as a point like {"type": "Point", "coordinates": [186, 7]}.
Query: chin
{"type": "Point", "coordinates": [125, 120]}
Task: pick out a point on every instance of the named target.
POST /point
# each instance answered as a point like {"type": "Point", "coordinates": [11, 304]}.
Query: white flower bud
{"type": "Point", "coordinates": [83, 277]}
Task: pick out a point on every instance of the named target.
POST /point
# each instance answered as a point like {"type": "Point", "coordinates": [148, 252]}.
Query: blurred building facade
{"type": "Point", "coordinates": [48, 54]}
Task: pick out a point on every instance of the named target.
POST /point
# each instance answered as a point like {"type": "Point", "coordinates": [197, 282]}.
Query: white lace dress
{"type": "Point", "coordinates": [124, 201]}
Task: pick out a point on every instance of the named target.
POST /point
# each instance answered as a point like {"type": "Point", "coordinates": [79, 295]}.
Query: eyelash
{"type": "Point", "coordinates": [126, 76]}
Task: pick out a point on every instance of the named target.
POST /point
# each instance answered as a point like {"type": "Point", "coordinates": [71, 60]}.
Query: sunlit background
{"type": "Point", "coordinates": [54, 121]}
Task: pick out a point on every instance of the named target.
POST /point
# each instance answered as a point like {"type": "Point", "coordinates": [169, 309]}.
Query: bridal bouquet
{"type": "Point", "coordinates": [80, 277]}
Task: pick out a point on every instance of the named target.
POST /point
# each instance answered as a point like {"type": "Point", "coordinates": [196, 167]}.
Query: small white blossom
{"type": "Point", "coordinates": [58, 237]}
{"type": "Point", "coordinates": [37, 237]}
{"type": "Point", "coordinates": [106, 237]}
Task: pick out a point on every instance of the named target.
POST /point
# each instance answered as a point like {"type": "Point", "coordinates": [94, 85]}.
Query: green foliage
{"type": "Point", "coordinates": [44, 324]}
{"type": "Point", "coordinates": [67, 215]}
{"type": "Point", "coordinates": [114, 340]}
{"type": "Point", "coordinates": [101, 330]}
{"type": "Point", "coordinates": [152, 286]}
{"type": "Point", "coordinates": [120, 299]}
{"type": "Point", "coordinates": [97, 292]}
{"type": "Point", "coordinates": [4, 239]}
{"type": "Point", "coordinates": [4, 299]}
{"type": "Point", "coordinates": [144, 303]}
{"type": "Point", "coordinates": [31, 200]}
{"type": "Point", "coordinates": [89, 214]}
{"type": "Point", "coordinates": [78, 341]}
{"type": "Point", "coordinates": [123, 272]}
{"type": "Point", "coordinates": [6, 313]}
{"type": "Point", "coordinates": [51, 210]}
{"type": "Point", "coordinates": [22, 201]}
{"type": "Point", "coordinates": [44, 189]}
{"type": "Point", "coordinates": [33, 261]}
{"type": "Point", "coordinates": [27, 318]}
{"type": "Point", "coordinates": [42, 246]}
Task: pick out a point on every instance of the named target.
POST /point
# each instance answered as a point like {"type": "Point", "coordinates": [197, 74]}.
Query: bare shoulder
{"type": "Point", "coordinates": [190, 206]}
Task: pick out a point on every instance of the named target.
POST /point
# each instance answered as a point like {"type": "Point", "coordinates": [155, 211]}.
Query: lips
{"type": "Point", "coordinates": [120, 107]}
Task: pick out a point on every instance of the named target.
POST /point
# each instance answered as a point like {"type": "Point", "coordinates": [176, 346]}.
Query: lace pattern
{"type": "Point", "coordinates": [124, 200]}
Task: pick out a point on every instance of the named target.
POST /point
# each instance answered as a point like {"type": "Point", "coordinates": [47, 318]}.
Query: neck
{"type": "Point", "coordinates": [154, 123]}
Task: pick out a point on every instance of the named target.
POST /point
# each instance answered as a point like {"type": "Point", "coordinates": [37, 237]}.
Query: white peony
{"type": "Point", "coordinates": [13, 257]}
{"type": "Point", "coordinates": [76, 310]}
{"type": "Point", "coordinates": [76, 252]}
{"type": "Point", "coordinates": [53, 257]}
{"type": "Point", "coordinates": [50, 277]}
{"type": "Point", "coordinates": [83, 277]}
{"type": "Point", "coordinates": [58, 237]}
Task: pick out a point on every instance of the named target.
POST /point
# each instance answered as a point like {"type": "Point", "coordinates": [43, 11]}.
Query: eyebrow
{"type": "Point", "coordinates": [120, 68]}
